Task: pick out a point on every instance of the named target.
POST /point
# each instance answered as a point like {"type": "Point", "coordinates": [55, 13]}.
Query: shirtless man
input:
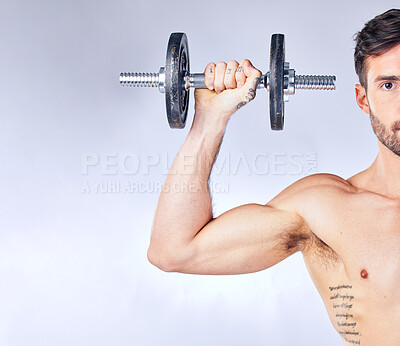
{"type": "Point", "coordinates": [347, 230]}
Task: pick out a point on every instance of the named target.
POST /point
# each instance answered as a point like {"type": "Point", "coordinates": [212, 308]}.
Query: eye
{"type": "Point", "coordinates": [388, 86]}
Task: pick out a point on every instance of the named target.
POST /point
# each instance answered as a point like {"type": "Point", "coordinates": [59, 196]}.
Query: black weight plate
{"type": "Point", "coordinates": [176, 65]}
{"type": "Point", "coordinates": [276, 81]}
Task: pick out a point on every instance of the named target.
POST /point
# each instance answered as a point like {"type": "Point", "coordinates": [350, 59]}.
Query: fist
{"type": "Point", "coordinates": [230, 87]}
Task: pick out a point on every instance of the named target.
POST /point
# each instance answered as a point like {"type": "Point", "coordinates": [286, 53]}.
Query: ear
{"type": "Point", "coordinates": [361, 98]}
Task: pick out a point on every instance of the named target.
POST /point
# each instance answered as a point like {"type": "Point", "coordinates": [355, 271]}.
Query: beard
{"type": "Point", "coordinates": [388, 137]}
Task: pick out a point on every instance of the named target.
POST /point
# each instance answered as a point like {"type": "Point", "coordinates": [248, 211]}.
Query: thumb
{"type": "Point", "coordinates": [253, 77]}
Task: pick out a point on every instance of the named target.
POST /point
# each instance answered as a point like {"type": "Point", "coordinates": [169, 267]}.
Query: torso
{"type": "Point", "coordinates": [354, 261]}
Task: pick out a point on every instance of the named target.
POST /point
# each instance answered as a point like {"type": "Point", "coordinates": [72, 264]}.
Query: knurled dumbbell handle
{"type": "Point", "coordinates": [196, 80]}
{"type": "Point", "coordinates": [192, 80]}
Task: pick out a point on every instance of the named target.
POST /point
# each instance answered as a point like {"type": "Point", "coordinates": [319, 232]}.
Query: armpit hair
{"type": "Point", "coordinates": [296, 238]}
{"type": "Point", "coordinates": [305, 240]}
{"type": "Point", "coordinates": [297, 241]}
{"type": "Point", "coordinates": [320, 251]}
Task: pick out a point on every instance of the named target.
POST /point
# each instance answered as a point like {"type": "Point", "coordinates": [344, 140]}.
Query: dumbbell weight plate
{"type": "Point", "coordinates": [176, 65]}
{"type": "Point", "coordinates": [276, 81]}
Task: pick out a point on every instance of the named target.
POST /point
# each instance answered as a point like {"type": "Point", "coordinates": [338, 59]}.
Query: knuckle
{"type": "Point", "coordinates": [221, 67]}
{"type": "Point", "coordinates": [210, 68]}
{"type": "Point", "coordinates": [233, 63]}
{"type": "Point", "coordinates": [221, 64]}
{"type": "Point", "coordinates": [209, 75]}
{"type": "Point", "coordinates": [239, 70]}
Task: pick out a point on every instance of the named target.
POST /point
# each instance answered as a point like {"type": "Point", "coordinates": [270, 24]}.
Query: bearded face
{"type": "Point", "coordinates": [389, 136]}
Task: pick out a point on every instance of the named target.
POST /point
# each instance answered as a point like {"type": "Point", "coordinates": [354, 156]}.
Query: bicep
{"type": "Point", "coordinates": [245, 239]}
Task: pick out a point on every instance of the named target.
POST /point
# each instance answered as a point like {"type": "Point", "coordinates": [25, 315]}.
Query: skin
{"type": "Point", "coordinates": [347, 230]}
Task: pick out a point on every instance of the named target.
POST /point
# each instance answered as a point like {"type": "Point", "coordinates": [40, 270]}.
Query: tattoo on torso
{"type": "Point", "coordinates": [342, 303]}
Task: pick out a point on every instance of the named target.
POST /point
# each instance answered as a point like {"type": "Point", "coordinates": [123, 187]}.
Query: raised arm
{"type": "Point", "coordinates": [185, 237]}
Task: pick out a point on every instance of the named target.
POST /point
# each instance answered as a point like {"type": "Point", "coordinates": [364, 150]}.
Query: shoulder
{"type": "Point", "coordinates": [317, 199]}
{"type": "Point", "coordinates": [324, 180]}
{"type": "Point", "coordinates": [313, 189]}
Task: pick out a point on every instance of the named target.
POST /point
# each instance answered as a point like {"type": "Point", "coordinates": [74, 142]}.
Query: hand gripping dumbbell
{"type": "Point", "coordinates": [175, 80]}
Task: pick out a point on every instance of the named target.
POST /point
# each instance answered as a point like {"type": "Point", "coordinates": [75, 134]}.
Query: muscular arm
{"type": "Point", "coordinates": [243, 240]}
{"type": "Point", "coordinates": [185, 237]}
{"type": "Point", "coordinates": [184, 206]}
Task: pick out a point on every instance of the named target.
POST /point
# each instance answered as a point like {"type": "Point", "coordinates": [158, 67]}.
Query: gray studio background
{"type": "Point", "coordinates": [82, 160]}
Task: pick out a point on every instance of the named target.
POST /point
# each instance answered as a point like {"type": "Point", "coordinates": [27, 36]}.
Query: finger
{"type": "Point", "coordinates": [239, 75]}
{"type": "Point", "coordinates": [209, 73]}
{"type": "Point", "coordinates": [250, 71]}
{"type": "Point", "coordinates": [220, 69]}
{"type": "Point", "coordinates": [253, 77]}
{"type": "Point", "coordinates": [230, 80]}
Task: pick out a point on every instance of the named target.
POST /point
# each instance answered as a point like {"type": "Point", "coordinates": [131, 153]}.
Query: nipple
{"type": "Point", "coordinates": [364, 274]}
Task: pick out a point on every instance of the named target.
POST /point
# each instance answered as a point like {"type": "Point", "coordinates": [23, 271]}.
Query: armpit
{"type": "Point", "coordinates": [295, 239]}
{"type": "Point", "coordinates": [318, 250]}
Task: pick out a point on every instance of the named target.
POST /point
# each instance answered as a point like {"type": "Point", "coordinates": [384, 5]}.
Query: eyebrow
{"type": "Point", "coordinates": [381, 78]}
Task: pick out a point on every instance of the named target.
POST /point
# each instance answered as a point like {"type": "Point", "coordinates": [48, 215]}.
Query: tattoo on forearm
{"type": "Point", "coordinates": [240, 104]}
{"type": "Point", "coordinates": [251, 94]}
{"type": "Point", "coordinates": [344, 317]}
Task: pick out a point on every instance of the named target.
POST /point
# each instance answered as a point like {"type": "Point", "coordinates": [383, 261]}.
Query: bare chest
{"type": "Point", "coordinates": [369, 249]}
{"type": "Point", "coordinates": [359, 277]}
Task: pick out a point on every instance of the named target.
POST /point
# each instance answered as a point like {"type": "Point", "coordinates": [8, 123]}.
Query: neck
{"type": "Point", "coordinates": [383, 175]}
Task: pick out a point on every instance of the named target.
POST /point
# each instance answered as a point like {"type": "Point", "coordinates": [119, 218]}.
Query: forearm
{"type": "Point", "coordinates": [184, 205]}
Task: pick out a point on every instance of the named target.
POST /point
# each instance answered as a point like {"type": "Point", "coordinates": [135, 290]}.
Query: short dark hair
{"type": "Point", "coordinates": [378, 36]}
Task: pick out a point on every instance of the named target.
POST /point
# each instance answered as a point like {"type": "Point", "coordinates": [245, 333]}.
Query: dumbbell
{"type": "Point", "coordinates": [175, 80]}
